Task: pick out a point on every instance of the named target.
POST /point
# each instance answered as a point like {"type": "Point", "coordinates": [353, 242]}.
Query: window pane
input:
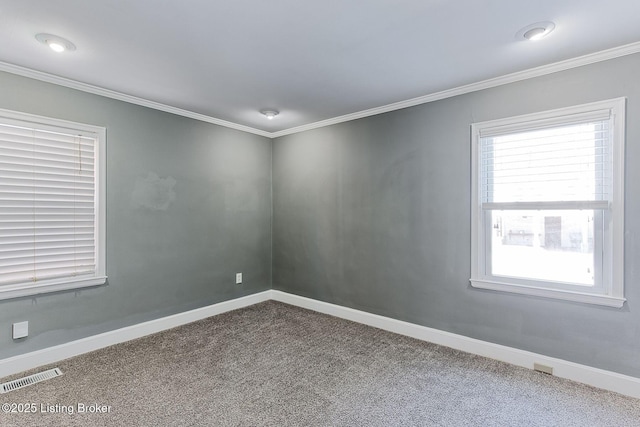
{"type": "Point", "coordinates": [546, 245]}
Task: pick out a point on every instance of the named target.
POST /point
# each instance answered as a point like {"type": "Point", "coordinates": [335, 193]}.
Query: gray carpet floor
{"type": "Point", "coordinates": [272, 364]}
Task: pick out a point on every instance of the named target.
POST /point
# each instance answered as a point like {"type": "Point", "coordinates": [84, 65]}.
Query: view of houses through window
{"type": "Point", "coordinates": [544, 245]}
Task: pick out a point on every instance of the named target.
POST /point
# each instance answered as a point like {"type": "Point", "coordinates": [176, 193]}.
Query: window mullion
{"type": "Point", "coordinates": [568, 205]}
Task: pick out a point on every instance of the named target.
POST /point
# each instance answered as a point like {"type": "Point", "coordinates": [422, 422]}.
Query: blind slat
{"type": "Point", "coordinates": [41, 241]}
{"type": "Point", "coordinates": [47, 273]}
{"type": "Point", "coordinates": [16, 263]}
{"type": "Point", "coordinates": [46, 249]}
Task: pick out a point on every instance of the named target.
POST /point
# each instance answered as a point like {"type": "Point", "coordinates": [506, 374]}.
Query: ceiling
{"type": "Point", "coordinates": [311, 60]}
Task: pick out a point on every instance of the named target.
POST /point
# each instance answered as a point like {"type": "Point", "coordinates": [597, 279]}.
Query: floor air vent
{"type": "Point", "coordinates": [31, 379]}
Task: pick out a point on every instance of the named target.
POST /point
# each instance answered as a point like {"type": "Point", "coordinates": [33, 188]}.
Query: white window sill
{"type": "Point", "coordinates": [583, 297]}
{"type": "Point", "coordinates": [44, 287]}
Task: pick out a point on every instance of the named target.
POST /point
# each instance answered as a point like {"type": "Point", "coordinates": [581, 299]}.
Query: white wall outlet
{"type": "Point", "coordinates": [20, 330]}
{"type": "Point", "coordinates": [238, 278]}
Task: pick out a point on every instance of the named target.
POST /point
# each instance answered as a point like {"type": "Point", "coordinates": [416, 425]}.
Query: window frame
{"type": "Point", "coordinates": [611, 292]}
{"type": "Point", "coordinates": [25, 289]}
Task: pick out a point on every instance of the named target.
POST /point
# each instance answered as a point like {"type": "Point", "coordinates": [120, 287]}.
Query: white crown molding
{"type": "Point", "coordinates": [96, 90]}
{"type": "Point", "coordinates": [580, 61]}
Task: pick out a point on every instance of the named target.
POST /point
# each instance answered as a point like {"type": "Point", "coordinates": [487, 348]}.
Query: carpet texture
{"type": "Point", "coordinates": [272, 364]}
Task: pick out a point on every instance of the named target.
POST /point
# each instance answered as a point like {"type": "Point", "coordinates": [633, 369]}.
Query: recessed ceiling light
{"type": "Point", "coordinates": [536, 31]}
{"type": "Point", "coordinates": [270, 114]}
{"type": "Point", "coordinates": [56, 43]}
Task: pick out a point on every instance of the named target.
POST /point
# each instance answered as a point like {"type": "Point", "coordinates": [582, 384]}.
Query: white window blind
{"type": "Point", "coordinates": [49, 226]}
{"type": "Point", "coordinates": [567, 163]}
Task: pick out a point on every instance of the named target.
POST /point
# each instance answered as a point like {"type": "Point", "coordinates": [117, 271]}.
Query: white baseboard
{"type": "Point", "coordinates": [600, 378]}
{"type": "Point", "coordinates": [23, 362]}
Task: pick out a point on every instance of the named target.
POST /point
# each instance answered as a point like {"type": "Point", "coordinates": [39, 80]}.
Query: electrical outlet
{"type": "Point", "coordinates": [20, 330]}
{"type": "Point", "coordinates": [238, 278]}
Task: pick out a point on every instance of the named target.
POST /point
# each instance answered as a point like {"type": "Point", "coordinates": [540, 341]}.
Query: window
{"type": "Point", "coordinates": [52, 211]}
{"type": "Point", "coordinates": [547, 204]}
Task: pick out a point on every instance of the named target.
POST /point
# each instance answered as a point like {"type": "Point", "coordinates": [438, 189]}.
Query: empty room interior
{"type": "Point", "coordinates": [412, 213]}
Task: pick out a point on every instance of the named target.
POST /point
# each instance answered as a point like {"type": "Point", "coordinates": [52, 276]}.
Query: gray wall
{"type": "Point", "coordinates": [375, 214]}
{"type": "Point", "coordinates": [372, 214]}
{"type": "Point", "coordinates": [160, 259]}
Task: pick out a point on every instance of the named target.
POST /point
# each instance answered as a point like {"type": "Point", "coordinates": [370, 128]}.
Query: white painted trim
{"type": "Point", "coordinates": [617, 210]}
{"type": "Point", "coordinates": [23, 362]}
{"type": "Point", "coordinates": [566, 295]}
{"type": "Point", "coordinates": [96, 90]}
{"type": "Point", "coordinates": [543, 70]}
{"type": "Point", "coordinates": [54, 285]}
{"type": "Point", "coordinates": [600, 378]}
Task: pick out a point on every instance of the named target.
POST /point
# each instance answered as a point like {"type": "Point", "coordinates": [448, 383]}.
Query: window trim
{"type": "Point", "coordinates": [100, 277]}
{"type": "Point", "coordinates": [613, 295]}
